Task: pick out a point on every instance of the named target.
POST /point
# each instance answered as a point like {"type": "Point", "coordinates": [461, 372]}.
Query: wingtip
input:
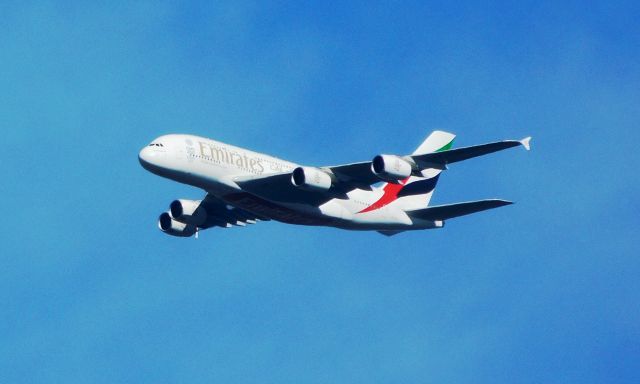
{"type": "Point", "coordinates": [526, 143]}
{"type": "Point", "coordinates": [497, 203]}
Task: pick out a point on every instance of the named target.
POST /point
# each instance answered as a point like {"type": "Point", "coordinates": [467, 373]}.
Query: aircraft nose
{"type": "Point", "coordinates": [144, 155]}
{"type": "Point", "coordinates": [148, 157]}
{"type": "Point", "coordinates": [154, 157]}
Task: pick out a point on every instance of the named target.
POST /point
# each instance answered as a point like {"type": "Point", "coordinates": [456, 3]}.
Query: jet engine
{"type": "Point", "coordinates": [175, 228]}
{"type": "Point", "coordinates": [188, 212]}
{"type": "Point", "coordinates": [311, 179]}
{"type": "Point", "coordinates": [391, 168]}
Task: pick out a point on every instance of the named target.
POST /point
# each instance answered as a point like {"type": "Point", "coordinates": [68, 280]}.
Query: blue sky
{"type": "Point", "coordinates": [547, 290]}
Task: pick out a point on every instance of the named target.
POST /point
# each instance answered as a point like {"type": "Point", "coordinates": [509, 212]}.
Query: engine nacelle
{"type": "Point", "coordinates": [188, 212]}
{"type": "Point", "coordinates": [391, 168]}
{"type": "Point", "coordinates": [312, 179]}
{"type": "Point", "coordinates": [175, 228]}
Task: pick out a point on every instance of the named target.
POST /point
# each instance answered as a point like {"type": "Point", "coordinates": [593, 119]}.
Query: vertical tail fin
{"type": "Point", "coordinates": [436, 142]}
{"type": "Point", "coordinates": [416, 191]}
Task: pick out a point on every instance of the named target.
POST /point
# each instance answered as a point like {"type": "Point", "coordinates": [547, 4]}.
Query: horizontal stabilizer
{"type": "Point", "coordinates": [460, 154]}
{"type": "Point", "coordinates": [444, 212]}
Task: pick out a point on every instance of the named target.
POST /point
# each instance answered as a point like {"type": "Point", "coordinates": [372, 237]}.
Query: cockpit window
{"type": "Point", "coordinates": [156, 145]}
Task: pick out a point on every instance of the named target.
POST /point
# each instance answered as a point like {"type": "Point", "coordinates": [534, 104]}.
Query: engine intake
{"type": "Point", "coordinates": [188, 212]}
{"type": "Point", "coordinates": [391, 168]}
{"type": "Point", "coordinates": [311, 179]}
{"type": "Point", "coordinates": [175, 228]}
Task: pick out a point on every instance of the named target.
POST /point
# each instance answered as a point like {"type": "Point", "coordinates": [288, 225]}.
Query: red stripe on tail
{"type": "Point", "coordinates": [390, 195]}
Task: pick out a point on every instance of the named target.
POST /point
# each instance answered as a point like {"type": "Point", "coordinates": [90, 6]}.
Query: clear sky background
{"type": "Point", "coordinates": [544, 291]}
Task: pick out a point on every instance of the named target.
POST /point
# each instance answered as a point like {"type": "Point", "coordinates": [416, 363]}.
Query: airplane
{"type": "Point", "coordinates": [388, 194]}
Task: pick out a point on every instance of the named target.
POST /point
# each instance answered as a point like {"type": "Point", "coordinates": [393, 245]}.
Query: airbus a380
{"type": "Point", "coordinates": [243, 187]}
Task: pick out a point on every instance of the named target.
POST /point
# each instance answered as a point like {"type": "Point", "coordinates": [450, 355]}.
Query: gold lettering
{"type": "Point", "coordinates": [239, 161]}
{"type": "Point", "coordinates": [257, 166]}
{"type": "Point", "coordinates": [245, 162]}
{"type": "Point", "coordinates": [219, 154]}
{"type": "Point", "coordinates": [204, 146]}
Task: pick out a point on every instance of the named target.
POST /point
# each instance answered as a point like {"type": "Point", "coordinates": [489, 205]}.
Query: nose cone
{"type": "Point", "coordinates": [151, 158]}
{"type": "Point", "coordinates": [146, 156]}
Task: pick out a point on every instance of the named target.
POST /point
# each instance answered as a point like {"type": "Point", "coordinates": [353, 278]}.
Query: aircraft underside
{"type": "Point", "coordinates": [274, 211]}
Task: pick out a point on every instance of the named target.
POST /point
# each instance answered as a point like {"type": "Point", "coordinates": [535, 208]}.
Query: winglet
{"type": "Point", "coordinates": [526, 142]}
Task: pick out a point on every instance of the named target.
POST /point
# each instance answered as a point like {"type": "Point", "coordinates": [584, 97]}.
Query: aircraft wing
{"type": "Point", "coordinates": [442, 158]}
{"type": "Point", "coordinates": [278, 187]}
{"type": "Point", "coordinates": [221, 214]}
{"type": "Point", "coordinates": [347, 177]}
{"type": "Point", "coordinates": [358, 175]}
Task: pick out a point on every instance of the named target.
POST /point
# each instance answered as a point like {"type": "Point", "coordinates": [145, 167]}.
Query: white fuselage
{"type": "Point", "coordinates": [215, 167]}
